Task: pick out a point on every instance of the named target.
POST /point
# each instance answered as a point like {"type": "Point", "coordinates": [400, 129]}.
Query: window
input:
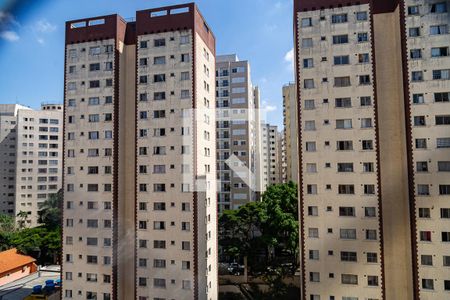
{"type": "Point", "coordinates": [372, 257]}
{"type": "Point", "coordinates": [185, 245]}
{"type": "Point", "coordinates": [363, 58]}
{"type": "Point", "coordinates": [344, 124]}
{"type": "Point", "coordinates": [314, 276]}
{"type": "Point", "coordinates": [342, 81]}
{"type": "Point", "coordinates": [143, 44]}
{"type": "Point", "coordinates": [363, 37]}
{"type": "Point", "coordinates": [185, 57]}
{"type": "Point", "coordinates": [421, 143]}
{"type": "Point", "coordinates": [342, 60]}
{"type": "Point", "coordinates": [366, 123]}
{"type": "Point", "coordinates": [313, 232]}
{"type": "Point", "coordinates": [364, 79]}
{"type": "Point", "coordinates": [159, 78]}
{"type": "Point", "coordinates": [159, 42]}
{"type": "Point", "coordinates": [422, 166]}
{"type": "Point", "coordinates": [416, 53]}
{"type": "Point", "coordinates": [345, 211]}
{"type": "Point", "coordinates": [348, 256]}
{"type": "Point", "coordinates": [413, 10]}
{"type": "Point", "coordinates": [348, 234]}
{"type": "Point", "coordinates": [445, 236]}
{"type": "Point", "coordinates": [418, 98]}
{"type": "Point", "coordinates": [445, 213]}
{"type": "Point", "coordinates": [308, 63]}
{"type": "Point", "coordinates": [340, 18]}
{"type": "Point", "coordinates": [184, 39]}
{"type": "Point", "coordinates": [440, 7]}
{"type": "Point", "coordinates": [419, 121]}
{"type": "Point", "coordinates": [370, 212]}
{"type": "Point", "coordinates": [310, 146]}
{"type": "Point", "coordinates": [344, 145]}
{"type": "Point", "coordinates": [441, 74]}
{"type": "Point", "coordinates": [425, 236]}
{"type": "Point", "coordinates": [313, 211]}
{"type": "Point", "coordinates": [340, 39]}
{"type": "Point", "coordinates": [345, 167]}
{"type": "Point", "coordinates": [185, 76]}
{"type": "Point", "coordinates": [444, 189]}
{"type": "Point", "coordinates": [306, 22]}
{"type": "Point", "coordinates": [414, 32]}
{"type": "Point", "coordinates": [439, 52]}
{"type": "Point", "coordinates": [307, 43]}
{"type": "Point", "coordinates": [371, 234]}
{"type": "Point", "coordinates": [94, 67]}
{"type": "Point", "coordinates": [372, 280]}
{"type": "Point", "coordinates": [349, 279]}
{"type": "Point", "coordinates": [343, 102]}
{"type": "Point", "coordinates": [314, 254]}
{"type": "Point", "coordinates": [442, 120]}
{"type": "Point", "coordinates": [438, 29]}
{"type": "Point", "coordinates": [428, 284]}
{"type": "Point", "coordinates": [159, 60]}
{"type": "Point", "coordinates": [309, 104]}
{"type": "Point", "coordinates": [94, 84]}
{"type": "Point", "coordinates": [424, 212]}
{"type": "Point", "coordinates": [310, 125]}
{"type": "Point", "coordinates": [308, 83]}
{"type": "Point", "coordinates": [361, 16]}
{"type": "Point", "coordinates": [366, 101]}
{"type": "Point", "coordinates": [311, 168]}
{"type": "Point", "coordinates": [346, 189]}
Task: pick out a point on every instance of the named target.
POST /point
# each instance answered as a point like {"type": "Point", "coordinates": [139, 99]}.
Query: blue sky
{"type": "Point", "coordinates": [32, 44]}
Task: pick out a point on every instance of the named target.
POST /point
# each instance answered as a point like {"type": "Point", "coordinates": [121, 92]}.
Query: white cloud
{"type": "Point", "coordinates": [289, 59]}
{"type": "Point", "coordinates": [40, 41]}
{"type": "Point", "coordinates": [9, 35]}
{"type": "Point", "coordinates": [44, 26]}
{"type": "Point", "coordinates": [267, 107]}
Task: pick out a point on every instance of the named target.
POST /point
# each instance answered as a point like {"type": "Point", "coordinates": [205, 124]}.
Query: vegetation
{"type": "Point", "coordinates": [43, 242]}
{"type": "Point", "coordinates": [265, 232]}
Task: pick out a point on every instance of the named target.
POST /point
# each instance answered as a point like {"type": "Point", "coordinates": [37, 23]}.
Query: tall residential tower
{"type": "Point", "coordinates": [237, 125]}
{"type": "Point", "coordinates": [140, 191]}
{"type": "Point", "coordinates": [373, 84]}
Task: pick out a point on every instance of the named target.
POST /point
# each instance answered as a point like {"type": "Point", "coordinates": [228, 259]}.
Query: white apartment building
{"type": "Point", "coordinates": [270, 155]}
{"type": "Point", "coordinates": [140, 179]}
{"type": "Point", "coordinates": [237, 146]}
{"type": "Point", "coordinates": [31, 151]}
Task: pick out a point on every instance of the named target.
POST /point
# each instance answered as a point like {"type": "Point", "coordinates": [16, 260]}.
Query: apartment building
{"type": "Point", "coordinates": [31, 150]}
{"type": "Point", "coordinates": [270, 155]}
{"type": "Point", "coordinates": [237, 146]}
{"type": "Point", "coordinates": [140, 217]}
{"type": "Point", "coordinates": [372, 84]}
{"type": "Point", "coordinates": [290, 132]}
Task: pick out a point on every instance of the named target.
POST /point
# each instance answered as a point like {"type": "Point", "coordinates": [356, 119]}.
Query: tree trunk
{"type": "Point", "coordinates": [245, 269]}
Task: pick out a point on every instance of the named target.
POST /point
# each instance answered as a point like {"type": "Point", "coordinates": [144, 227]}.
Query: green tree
{"type": "Point", "coordinates": [49, 212]}
{"type": "Point", "coordinates": [7, 224]}
{"type": "Point", "coordinates": [23, 217]}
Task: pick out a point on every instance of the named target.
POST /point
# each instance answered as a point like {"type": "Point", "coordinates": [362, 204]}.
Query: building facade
{"type": "Point", "coordinates": [237, 114]}
{"type": "Point", "coordinates": [270, 156]}
{"type": "Point", "coordinates": [290, 132]}
{"type": "Point", "coordinates": [140, 216]}
{"type": "Point", "coordinates": [372, 83]}
{"type": "Point", "coordinates": [31, 144]}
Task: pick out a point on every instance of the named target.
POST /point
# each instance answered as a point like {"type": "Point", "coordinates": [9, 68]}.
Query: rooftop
{"type": "Point", "coordinates": [11, 259]}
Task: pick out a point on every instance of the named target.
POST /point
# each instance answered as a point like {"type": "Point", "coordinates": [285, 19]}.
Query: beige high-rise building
{"type": "Point", "coordinates": [373, 80]}
{"type": "Point", "coordinates": [270, 155]}
{"type": "Point", "coordinates": [237, 125]}
{"type": "Point", "coordinates": [31, 151]}
{"type": "Point", "coordinates": [140, 215]}
{"type": "Point", "coordinates": [290, 121]}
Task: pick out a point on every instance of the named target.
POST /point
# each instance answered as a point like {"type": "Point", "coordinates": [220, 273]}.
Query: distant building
{"type": "Point", "coordinates": [237, 117]}
{"type": "Point", "coordinates": [270, 155]}
{"type": "Point", "coordinates": [290, 131]}
{"type": "Point", "coordinates": [14, 266]}
{"type": "Point", "coordinates": [31, 158]}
